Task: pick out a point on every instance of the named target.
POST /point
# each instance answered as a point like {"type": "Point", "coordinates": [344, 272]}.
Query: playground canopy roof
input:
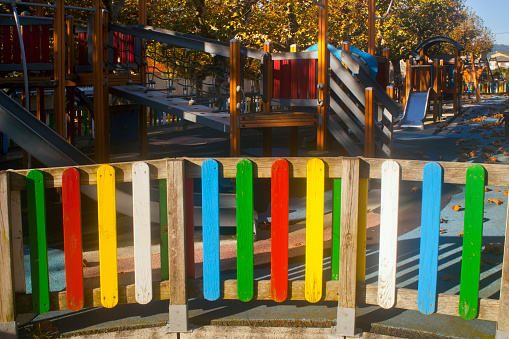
{"type": "Point", "coordinates": [426, 44]}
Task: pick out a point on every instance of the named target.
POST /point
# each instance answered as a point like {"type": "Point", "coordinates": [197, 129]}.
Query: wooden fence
{"type": "Point", "coordinates": [346, 285]}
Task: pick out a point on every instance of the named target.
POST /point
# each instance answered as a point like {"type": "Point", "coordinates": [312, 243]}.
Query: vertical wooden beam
{"type": "Point", "coordinates": [408, 82]}
{"type": "Point", "coordinates": [142, 20]}
{"type": "Point", "coordinates": [387, 79]}
{"type": "Point", "coordinates": [59, 68]}
{"type": "Point", "coordinates": [371, 27]}
{"type": "Point", "coordinates": [294, 131]}
{"type": "Point", "coordinates": [17, 241]}
{"type": "Point", "coordinates": [41, 115]}
{"type": "Point", "coordinates": [475, 79]}
{"type": "Point", "coordinates": [369, 123]}
{"type": "Point", "coordinates": [235, 97]}
{"type": "Point", "coordinates": [503, 315]}
{"type": "Point", "coordinates": [456, 79]}
{"type": "Point", "coordinates": [348, 247]}
{"type": "Point", "coordinates": [435, 90]}
{"type": "Point", "coordinates": [266, 106]}
{"type": "Point", "coordinates": [323, 76]}
{"type": "Point", "coordinates": [70, 107]}
{"type": "Point", "coordinates": [175, 188]}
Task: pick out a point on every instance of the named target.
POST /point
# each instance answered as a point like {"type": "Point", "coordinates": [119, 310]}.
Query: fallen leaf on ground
{"type": "Point", "coordinates": [460, 234]}
{"type": "Point", "coordinates": [443, 231]}
{"type": "Point", "coordinates": [506, 193]}
{"type": "Point", "coordinates": [495, 201]}
{"type": "Point", "coordinates": [443, 221]}
{"type": "Point", "coordinates": [415, 189]}
{"type": "Point", "coordinates": [497, 190]}
{"type": "Point", "coordinates": [456, 208]}
{"type": "Point", "coordinates": [487, 189]}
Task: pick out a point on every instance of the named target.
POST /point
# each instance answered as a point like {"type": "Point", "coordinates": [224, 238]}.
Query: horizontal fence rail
{"type": "Point", "coordinates": [346, 284]}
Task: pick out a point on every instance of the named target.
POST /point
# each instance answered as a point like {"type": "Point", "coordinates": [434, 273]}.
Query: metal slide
{"type": "Point", "coordinates": [415, 110]}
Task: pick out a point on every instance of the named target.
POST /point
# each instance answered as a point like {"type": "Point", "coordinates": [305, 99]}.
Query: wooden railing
{"type": "Point", "coordinates": [345, 285]}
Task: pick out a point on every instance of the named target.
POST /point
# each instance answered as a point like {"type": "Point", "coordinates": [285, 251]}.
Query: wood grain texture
{"type": "Point", "coordinates": [18, 258]}
{"type": "Point", "coordinates": [142, 232]}
{"type": "Point", "coordinates": [430, 231]}
{"type": "Point", "coordinates": [245, 229]}
{"type": "Point", "coordinates": [163, 225]}
{"type": "Point", "coordinates": [361, 235]}
{"type": "Point", "coordinates": [176, 231]}
{"type": "Point", "coordinates": [37, 237]}
{"type": "Point", "coordinates": [189, 194]}
{"type": "Point", "coordinates": [388, 234]}
{"type": "Point", "coordinates": [71, 209]}
{"type": "Point", "coordinates": [210, 217]}
{"type": "Point", "coordinates": [349, 233]}
{"type": "Point", "coordinates": [279, 230]}
{"type": "Point", "coordinates": [107, 223]}
{"type": "Point", "coordinates": [503, 316]}
{"type": "Point", "coordinates": [7, 306]}
{"type": "Point", "coordinates": [314, 229]}
{"type": "Point", "coordinates": [336, 228]}
{"type": "Point", "coordinates": [472, 242]}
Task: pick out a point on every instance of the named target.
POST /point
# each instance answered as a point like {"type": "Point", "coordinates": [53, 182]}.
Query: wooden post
{"type": "Point", "coordinates": [390, 92]}
{"type": "Point", "coordinates": [371, 27]}
{"type": "Point", "coordinates": [142, 20]}
{"type": "Point", "coordinates": [503, 315]}
{"type": "Point", "coordinates": [369, 123]}
{"type": "Point", "coordinates": [71, 109]}
{"type": "Point", "coordinates": [387, 76]}
{"type": "Point", "coordinates": [17, 241]}
{"type": "Point", "coordinates": [41, 115]}
{"type": "Point", "coordinates": [7, 302]}
{"type": "Point", "coordinates": [475, 79]}
{"type": "Point", "coordinates": [175, 190]}
{"type": "Point", "coordinates": [323, 76]}
{"type": "Point", "coordinates": [101, 114]}
{"type": "Point", "coordinates": [294, 131]}
{"type": "Point", "coordinates": [235, 97]}
{"type": "Point", "coordinates": [348, 247]}
{"type": "Point", "coordinates": [455, 108]}
{"type": "Point", "coordinates": [408, 82]}
{"type": "Point", "coordinates": [267, 107]}
{"type": "Point", "coordinates": [435, 90]}
{"type": "Point", "coordinates": [59, 69]}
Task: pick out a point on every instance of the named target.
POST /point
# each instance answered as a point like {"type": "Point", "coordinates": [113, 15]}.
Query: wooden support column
{"type": "Point", "coordinates": [41, 114]}
{"type": "Point", "coordinates": [503, 315]}
{"type": "Point", "coordinates": [369, 123]}
{"type": "Point", "coordinates": [71, 107]}
{"type": "Point", "coordinates": [435, 93]}
{"type": "Point", "coordinates": [348, 247]}
{"type": "Point", "coordinates": [59, 69]}
{"type": "Point", "coordinates": [142, 20]}
{"type": "Point", "coordinates": [17, 241]}
{"type": "Point", "coordinates": [294, 131]}
{"type": "Point", "coordinates": [323, 76]}
{"type": "Point", "coordinates": [175, 188]}
{"type": "Point", "coordinates": [475, 79]}
{"type": "Point", "coordinates": [456, 78]}
{"type": "Point", "coordinates": [371, 27]}
{"type": "Point", "coordinates": [266, 106]}
{"type": "Point", "coordinates": [101, 114]}
{"type": "Point", "coordinates": [8, 326]}
{"type": "Point", "coordinates": [235, 80]}
{"type": "Point", "coordinates": [387, 74]}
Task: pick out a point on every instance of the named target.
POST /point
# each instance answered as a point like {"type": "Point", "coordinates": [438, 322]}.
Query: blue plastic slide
{"type": "Point", "coordinates": [415, 109]}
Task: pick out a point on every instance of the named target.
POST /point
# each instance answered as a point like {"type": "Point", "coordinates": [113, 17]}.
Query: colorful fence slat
{"type": "Point", "coordinates": [430, 230]}
{"type": "Point", "coordinates": [163, 224]}
{"type": "Point", "coordinates": [142, 235]}
{"type": "Point", "coordinates": [472, 242]}
{"type": "Point", "coordinates": [38, 247]}
{"type": "Point", "coordinates": [245, 284]}
{"type": "Point", "coordinates": [314, 229]}
{"type": "Point", "coordinates": [336, 228]}
{"type": "Point", "coordinates": [279, 230]}
{"type": "Point", "coordinates": [71, 209]}
{"type": "Point", "coordinates": [210, 217]}
{"type": "Point", "coordinates": [107, 221]}
{"type": "Point", "coordinates": [388, 234]}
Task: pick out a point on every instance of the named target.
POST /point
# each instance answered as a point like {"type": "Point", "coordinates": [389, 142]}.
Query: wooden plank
{"type": "Point", "coordinates": [279, 230]}
{"type": "Point", "coordinates": [349, 233]}
{"type": "Point", "coordinates": [71, 209]}
{"type": "Point", "coordinates": [163, 224]}
{"type": "Point", "coordinates": [285, 79]}
{"type": "Point", "coordinates": [472, 242]}
{"type": "Point", "coordinates": [503, 316]}
{"type": "Point", "coordinates": [210, 217]}
{"type": "Point", "coordinates": [107, 223]}
{"type": "Point", "coordinates": [336, 228]}
{"type": "Point", "coordinates": [388, 234]}
{"type": "Point", "coordinates": [430, 231]}
{"type": "Point", "coordinates": [277, 78]}
{"type": "Point", "coordinates": [37, 236]}
{"type": "Point", "coordinates": [362, 230]}
{"type": "Point", "coordinates": [244, 192]}
{"type": "Point", "coordinates": [345, 117]}
{"type": "Point", "coordinates": [7, 301]}
{"type": "Point", "coordinates": [189, 194]}
{"type": "Point", "coordinates": [142, 235]}
{"type": "Point", "coordinates": [17, 242]}
{"type": "Point", "coordinates": [314, 229]}
{"type": "Point", "coordinates": [304, 78]}
{"type": "Point", "coordinates": [176, 232]}
{"type": "Point", "coordinates": [342, 137]}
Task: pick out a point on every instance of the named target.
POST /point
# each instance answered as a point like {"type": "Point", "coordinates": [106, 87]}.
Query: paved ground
{"type": "Point", "coordinates": [464, 138]}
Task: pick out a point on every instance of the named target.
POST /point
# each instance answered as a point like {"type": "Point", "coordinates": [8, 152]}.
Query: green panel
{"type": "Point", "coordinates": [163, 218]}
{"type": "Point", "coordinates": [38, 244]}
{"type": "Point", "coordinates": [336, 227]}
{"type": "Point", "coordinates": [472, 242]}
{"type": "Point", "coordinates": [245, 230]}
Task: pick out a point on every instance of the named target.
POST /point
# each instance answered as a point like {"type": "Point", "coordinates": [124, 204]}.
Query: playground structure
{"type": "Point", "coordinates": [346, 284]}
{"type": "Point", "coordinates": [476, 76]}
{"type": "Point", "coordinates": [430, 79]}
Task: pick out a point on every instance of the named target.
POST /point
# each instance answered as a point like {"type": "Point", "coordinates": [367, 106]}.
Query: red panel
{"type": "Point", "coordinates": [189, 227]}
{"type": "Point", "coordinates": [45, 43]}
{"type": "Point", "coordinates": [130, 49]}
{"type": "Point", "coordinates": [27, 42]}
{"type": "Point", "coordinates": [82, 49]}
{"type": "Point", "coordinates": [285, 79]}
{"type": "Point", "coordinates": [16, 51]}
{"type": "Point", "coordinates": [277, 79]}
{"type": "Point", "coordinates": [122, 48]}
{"type": "Point", "coordinates": [313, 63]}
{"type": "Point", "coordinates": [115, 47]}
{"type": "Point", "coordinates": [303, 81]}
{"type": "Point", "coordinates": [36, 43]}
{"type": "Point", "coordinates": [279, 230]}
{"type": "Point", "coordinates": [71, 207]}
{"type": "Point", "coordinates": [294, 73]}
